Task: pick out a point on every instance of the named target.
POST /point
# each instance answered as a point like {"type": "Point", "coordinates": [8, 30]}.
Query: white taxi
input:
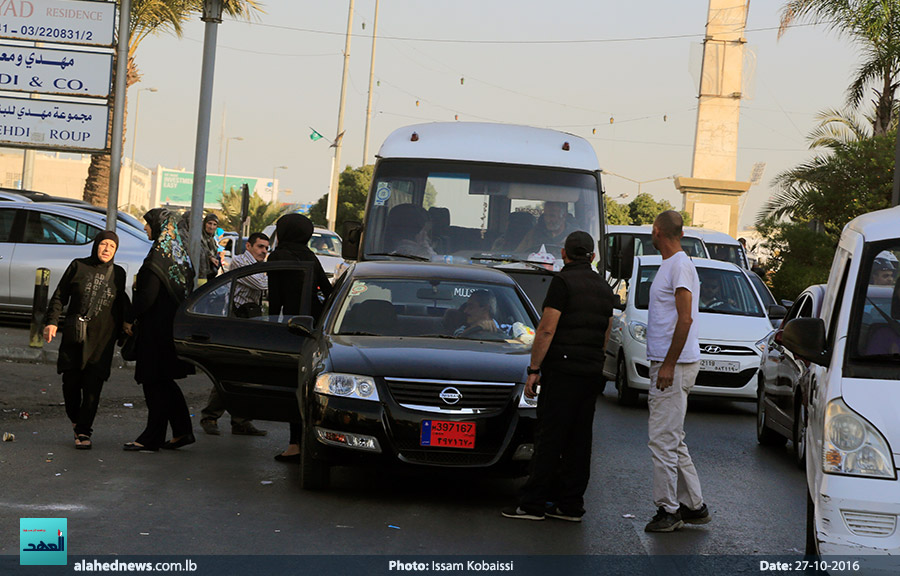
{"type": "Point", "coordinates": [732, 326]}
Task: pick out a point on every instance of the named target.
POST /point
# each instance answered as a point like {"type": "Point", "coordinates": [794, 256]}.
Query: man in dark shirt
{"type": "Point", "coordinates": [567, 361]}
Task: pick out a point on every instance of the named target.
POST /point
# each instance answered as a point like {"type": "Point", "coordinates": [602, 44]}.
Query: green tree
{"type": "Point", "coordinates": [874, 27]}
{"type": "Point", "coordinates": [801, 256]}
{"type": "Point", "coordinates": [261, 213]}
{"type": "Point", "coordinates": [616, 214]}
{"type": "Point", "coordinates": [644, 209]}
{"type": "Point", "coordinates": [353, 188]}
{"type": "Point", "coordinates": [150, 17]}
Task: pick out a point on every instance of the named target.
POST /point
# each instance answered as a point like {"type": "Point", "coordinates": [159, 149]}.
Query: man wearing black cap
{"type": "Point", "coordinates": [567, 362]}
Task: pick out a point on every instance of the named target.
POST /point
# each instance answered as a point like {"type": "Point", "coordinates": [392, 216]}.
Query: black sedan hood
{"type": "Point", "coordinates": [429, 358]}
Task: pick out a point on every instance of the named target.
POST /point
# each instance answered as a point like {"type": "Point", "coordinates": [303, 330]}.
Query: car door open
{"type": "Point", "coordinates": [246, 348]}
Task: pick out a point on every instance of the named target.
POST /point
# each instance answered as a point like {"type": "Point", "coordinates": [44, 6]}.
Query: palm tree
{"type": "Point", "coordinates": [152, 17]}
{"type": "Point", "coordinates": [874, 25]}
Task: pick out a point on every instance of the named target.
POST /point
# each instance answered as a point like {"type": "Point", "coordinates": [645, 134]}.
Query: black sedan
{"type": "Point", "coordinates": [784, 381]}
{"type": "Point", "coordinates": [411, 363]}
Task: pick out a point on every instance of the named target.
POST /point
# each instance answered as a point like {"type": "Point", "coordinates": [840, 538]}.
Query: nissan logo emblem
{"type": "Point", "coordinates": [450, 396]}
{"type": "Point", "coordinates": [712, 349]}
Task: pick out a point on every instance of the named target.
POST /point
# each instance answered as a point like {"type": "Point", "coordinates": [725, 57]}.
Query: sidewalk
{"type": "Point", "coordinates": [14, 340]}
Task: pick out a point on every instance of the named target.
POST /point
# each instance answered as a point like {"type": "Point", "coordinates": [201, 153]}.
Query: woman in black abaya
{"type": "Point", "coordinates": [94, 290]}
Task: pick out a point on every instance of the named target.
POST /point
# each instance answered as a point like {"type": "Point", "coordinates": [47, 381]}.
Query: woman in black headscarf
{"type": "Point", "coordinates": [163, 282]}
{"type": "Point", "coordinates": [94, 289]}
{"type": "Point", "coordinates": [293, 232]}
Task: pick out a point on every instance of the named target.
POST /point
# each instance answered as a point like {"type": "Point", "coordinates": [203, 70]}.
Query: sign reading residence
{"type": "Point", "coordinates": [174, 187]}
{"type": "Point", "coordinates": [52, 125]}
{"type": "Point", "coordinates": [62, 21]}
{"type": "Point", "coordinates": [54, 71]}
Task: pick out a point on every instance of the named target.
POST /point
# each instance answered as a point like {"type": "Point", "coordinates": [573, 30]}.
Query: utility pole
{"type": "Point", "coordinates": [212, 16]}
{"type": "Point", "coordinates": [371, 80]}
{"type": "Point", "coordinates": [115, 159]}
{"type": "Point", "coordinates": [336, 166]}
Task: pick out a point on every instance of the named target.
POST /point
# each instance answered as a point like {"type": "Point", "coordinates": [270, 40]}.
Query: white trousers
{"type": "Point", "coordinates": [674, 476]}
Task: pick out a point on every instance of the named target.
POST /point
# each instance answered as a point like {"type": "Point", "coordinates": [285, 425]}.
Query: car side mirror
{"type": "Point", "coordinates": [351, 238]}
{"type": "Point", "coordinates": [621, 260]}
{"type": "Point", "coordinates": [301, 325]}
{"type": "Point", "coordinates": [776, 312]}
{"type": "Point", "coordinates": [805, 337]}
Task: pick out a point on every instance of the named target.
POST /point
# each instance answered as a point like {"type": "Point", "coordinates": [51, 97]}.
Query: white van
{"type": "Point", "coordinates": [853, 432]}
{"type": "Point", "coordinates": [721, 246]}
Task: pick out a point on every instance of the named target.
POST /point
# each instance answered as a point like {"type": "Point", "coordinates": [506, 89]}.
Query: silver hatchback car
{"type": "Point", "coordinates": [41, 235]}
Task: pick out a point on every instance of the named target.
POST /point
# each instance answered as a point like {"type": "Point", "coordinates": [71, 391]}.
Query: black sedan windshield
{"type": "Point", "coordinates": [435, 309]}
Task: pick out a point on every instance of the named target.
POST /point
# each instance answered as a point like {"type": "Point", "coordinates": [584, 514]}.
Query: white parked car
{"type": "Point", "coordinates": [721, 246]}
{"type": "Point", "coordinates": [732, 328]}
{"type": "Point", "coordinates": [46, 235]}
{"type": "Point", "coordinates": [853, 429]}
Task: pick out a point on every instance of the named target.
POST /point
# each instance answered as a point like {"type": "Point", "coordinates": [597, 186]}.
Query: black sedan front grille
{"type": "Point", "coordinates": [436, 458]}
{"type": "Point", "coordinates": [480, 396]}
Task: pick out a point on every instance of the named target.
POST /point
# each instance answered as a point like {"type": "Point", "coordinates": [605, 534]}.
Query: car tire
{"type": "Point", "coordinates": [625, 394]}
{"type": "Point", "coordinates": [812, 546]}
{"type": "Point", "coordinates": [764, 435]}
{"type": "Point", "coordinates": [314, 474]}
{"type": "Point", "coordinates": [799, 433]}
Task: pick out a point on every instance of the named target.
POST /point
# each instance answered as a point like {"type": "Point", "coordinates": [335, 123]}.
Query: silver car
{"type": "Point", "coordinates": [42, 235]}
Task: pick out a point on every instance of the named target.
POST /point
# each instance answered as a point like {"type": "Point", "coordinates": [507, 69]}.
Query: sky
{"type": "Point", "coordinates": [570, 66]}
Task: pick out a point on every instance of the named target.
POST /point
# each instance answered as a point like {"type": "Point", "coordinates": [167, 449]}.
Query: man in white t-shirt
{"type": "Point", "coordinates": [674, 355]}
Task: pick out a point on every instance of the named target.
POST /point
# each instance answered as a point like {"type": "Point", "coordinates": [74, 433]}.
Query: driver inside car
{"type": "Point", "coordinates": [478, 317]}
{"type": "Point", "coordinates": [711, 296]}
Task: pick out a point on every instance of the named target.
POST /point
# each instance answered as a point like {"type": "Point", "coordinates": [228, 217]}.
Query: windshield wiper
{"type": "Point", "coordinates": [435, 336]}
{"type": "Point", "coordinates": [533, 265]}
{"type": "Point", "coordinates": [401, 255]}
{"type": "Point", "coordinates": [358, 333]}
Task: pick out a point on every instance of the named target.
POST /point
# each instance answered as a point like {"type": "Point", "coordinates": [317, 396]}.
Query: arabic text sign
{"type": "Point", "coordinates": [52, 71]}
{"type": "Point", "coordinates": [53, 125]}
{"type": "Point", "coordinates": [66, 21]}
{"type": "Point", "coordinates": [42, 541]}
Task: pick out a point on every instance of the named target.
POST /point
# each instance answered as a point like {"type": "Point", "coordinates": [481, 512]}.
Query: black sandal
{"type": "Point", "coordinates": [85, 442]}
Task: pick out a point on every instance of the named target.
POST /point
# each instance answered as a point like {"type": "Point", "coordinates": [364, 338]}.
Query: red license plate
{"type": "Point", "coordinates": [442, 434]}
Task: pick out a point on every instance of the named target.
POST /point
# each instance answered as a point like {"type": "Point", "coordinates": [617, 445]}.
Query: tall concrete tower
{"type": "Point", "coordinates": [711, 195]}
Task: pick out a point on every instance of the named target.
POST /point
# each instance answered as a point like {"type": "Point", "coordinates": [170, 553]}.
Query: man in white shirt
{"type": "Point", "coordinates": [674, 354]}
{"type": "Point", "coordinates": [248, 292]}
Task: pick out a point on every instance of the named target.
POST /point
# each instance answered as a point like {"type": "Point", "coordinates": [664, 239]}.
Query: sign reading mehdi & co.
{"type": "Point", "coordinates": [61, 21]}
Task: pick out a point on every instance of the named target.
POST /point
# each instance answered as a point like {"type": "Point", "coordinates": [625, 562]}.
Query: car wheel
{"type": "Point", "coordinates": [799, 439]}
{"type": "Point", "coordinates": [625, 395]}
{"type": "Point", "coordinates": [765, 436]}
{"type": "Point", "coordinates": [812, 546]}
{"type": "Point", "coordinates": [314, 474]}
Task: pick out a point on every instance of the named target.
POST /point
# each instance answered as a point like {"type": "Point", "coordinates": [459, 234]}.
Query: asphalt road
{"type": "Point", "coordinates": [226, 494]}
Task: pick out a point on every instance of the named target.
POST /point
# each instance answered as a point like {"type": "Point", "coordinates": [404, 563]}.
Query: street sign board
{"type": "Point", "coordinates": [62, 21]}
{"type": "Point", "coordinates": [55, 71]}
{"type": "Point", "coordinates": [175, 187]}
{"type": "Point", "coordinates": [53, 125]}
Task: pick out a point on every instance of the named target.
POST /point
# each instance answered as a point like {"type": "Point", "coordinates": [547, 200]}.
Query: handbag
{"type": "Point", "coordinates": [81, 322]}
{"type": "Point", "coordinates": [129, 346]}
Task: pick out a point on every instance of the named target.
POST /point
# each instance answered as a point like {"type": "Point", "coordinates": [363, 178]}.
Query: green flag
{"type": "Point", "coordinates": [315, 136]}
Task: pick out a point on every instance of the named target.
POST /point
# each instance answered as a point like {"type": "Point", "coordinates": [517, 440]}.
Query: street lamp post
{"type": "Point", "coordinates": [137, 107]}
{"type": "Point", "coordinates": [273, 174]}
{"type": "Point", "coordinates": [225, 169]}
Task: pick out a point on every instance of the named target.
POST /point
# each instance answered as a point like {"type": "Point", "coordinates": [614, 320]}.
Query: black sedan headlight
{"type": "Point", "coordinates": [347, 386]}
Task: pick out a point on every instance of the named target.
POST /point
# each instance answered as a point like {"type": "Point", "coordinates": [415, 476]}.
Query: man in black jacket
{"type": "Point", "coordinates": [567, 361]}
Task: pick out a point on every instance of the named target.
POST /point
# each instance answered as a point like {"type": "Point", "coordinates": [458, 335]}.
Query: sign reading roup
{"type": "Point", "coordinates": [53, 125]}
{"type": "Point", "coordinates": [54, 71]}
{"type": "Point", "coordinates": [64, 21]}
{"type": "Point", "coordinates": [42, 541]}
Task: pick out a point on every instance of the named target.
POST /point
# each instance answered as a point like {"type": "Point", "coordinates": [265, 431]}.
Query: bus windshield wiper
{"type": "Point", "coordinates": [534, 265]}
{"type": "Point", "coordinates": [401, 255]}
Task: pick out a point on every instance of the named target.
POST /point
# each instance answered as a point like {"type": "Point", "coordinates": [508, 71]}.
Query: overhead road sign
{"type": "Point", "coordinates": [55, 71]}
{"type": "Point", "coordinates": [53, 125]}
{"type": "Point", "coordinates": [61, 21]}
